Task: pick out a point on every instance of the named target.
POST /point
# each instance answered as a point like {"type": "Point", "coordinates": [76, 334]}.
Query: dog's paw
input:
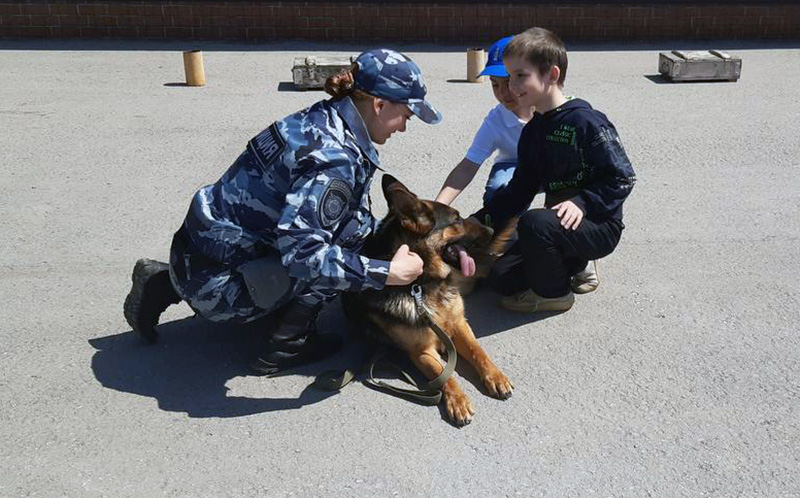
{"type": "Point", "coordinates": [498, 385]}
{"type": "Point", "coordinates": [459, 409]}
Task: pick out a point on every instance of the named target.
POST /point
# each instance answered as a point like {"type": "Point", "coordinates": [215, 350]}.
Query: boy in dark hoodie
{"type": "Point", "coordinates": [573, 154]}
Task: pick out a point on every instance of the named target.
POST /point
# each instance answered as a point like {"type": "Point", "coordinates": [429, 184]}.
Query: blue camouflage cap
{"type": "Point", "coordinates": [392, 76]}
{"type": "Point", "coordinates": [495, 66]}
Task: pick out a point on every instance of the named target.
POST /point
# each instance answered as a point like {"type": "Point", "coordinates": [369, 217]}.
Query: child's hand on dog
{"type": "Point", "coordinates": [405, 267]}
{"type": "Point", "coordinates": [570, 214]}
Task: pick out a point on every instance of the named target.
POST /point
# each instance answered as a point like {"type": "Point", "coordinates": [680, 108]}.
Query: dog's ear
{"type": "Point", "coordinates": [388, 181]}
{"type": "Point", "coordinates": [413, 214]}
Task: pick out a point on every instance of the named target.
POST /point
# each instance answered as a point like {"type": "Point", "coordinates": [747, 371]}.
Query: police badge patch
{"type": "Point", "coordinates": [334, 202]}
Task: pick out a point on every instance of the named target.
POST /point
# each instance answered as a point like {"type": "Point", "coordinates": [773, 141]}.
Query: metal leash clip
{"type": "Point", "coordinates": [416, 293]}
{"type": "Point", "coordinates": [422, 309]}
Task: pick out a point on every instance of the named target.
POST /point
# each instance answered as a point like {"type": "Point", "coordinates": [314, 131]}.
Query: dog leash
{"type": "Point", "coordinates": [430, 393]}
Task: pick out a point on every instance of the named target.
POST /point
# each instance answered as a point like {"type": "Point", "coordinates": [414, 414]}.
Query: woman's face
{"type": "Point", "coordinates": [387, 118]}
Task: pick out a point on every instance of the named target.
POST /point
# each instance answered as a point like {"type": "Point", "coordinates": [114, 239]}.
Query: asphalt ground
{"type": "Point", "coordinates": [679, 376]}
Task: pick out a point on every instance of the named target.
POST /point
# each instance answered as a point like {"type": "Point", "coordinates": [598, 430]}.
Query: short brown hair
{"type": "Point", "coordinates": [542, 48]}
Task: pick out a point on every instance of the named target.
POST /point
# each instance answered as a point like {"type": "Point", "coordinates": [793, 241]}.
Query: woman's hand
{"type": "Point", "coordinates": [405, 267]}
{"type": "Point", "coordinates": [570, 214]}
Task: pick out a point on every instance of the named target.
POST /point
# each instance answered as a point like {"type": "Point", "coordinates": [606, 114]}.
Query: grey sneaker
{"type": "Point", "coordinates": [528, 301]}
{"type": "Point", "coordinates": [586, 281]}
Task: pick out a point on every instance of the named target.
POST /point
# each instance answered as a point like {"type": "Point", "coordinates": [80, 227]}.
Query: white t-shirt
{"type": "Point", "coordinates": [499, 132]}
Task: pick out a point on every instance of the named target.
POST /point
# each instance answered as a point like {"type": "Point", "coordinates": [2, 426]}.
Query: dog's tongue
{"type": "Point", "coordinates": [467, 263]}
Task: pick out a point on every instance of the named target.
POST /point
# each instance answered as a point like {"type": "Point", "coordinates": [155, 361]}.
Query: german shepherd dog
{"type": "Point", "coordinates": [449, 247]}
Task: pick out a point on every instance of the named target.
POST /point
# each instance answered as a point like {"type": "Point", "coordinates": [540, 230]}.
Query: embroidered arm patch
{"type": "Point", "coordinates": [268, 145]}
{"type": "Point", "coordinates": [334, 202]}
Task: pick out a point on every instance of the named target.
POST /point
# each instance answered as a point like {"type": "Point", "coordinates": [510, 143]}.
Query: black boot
{"type": "Point", "coordinates": [295, 341]}
{"type": "Point", "coordinates": [150, 295]}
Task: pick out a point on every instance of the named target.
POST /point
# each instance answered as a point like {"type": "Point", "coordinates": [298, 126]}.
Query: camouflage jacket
{"type": "Point", "coordinates": [301, 187]}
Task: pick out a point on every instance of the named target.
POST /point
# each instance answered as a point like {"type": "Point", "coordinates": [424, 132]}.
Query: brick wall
{"type": "Point", "coordinates": [439, 22]}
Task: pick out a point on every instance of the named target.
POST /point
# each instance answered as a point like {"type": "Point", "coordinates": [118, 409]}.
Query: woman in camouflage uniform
{"type": "Point", "coordinates": [282, 229]}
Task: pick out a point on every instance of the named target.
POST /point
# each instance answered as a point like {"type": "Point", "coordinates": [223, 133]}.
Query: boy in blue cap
{"type": "Point", "coordinates": [499, 132]}
{"type": "Point", "coordinates": [280, 233]}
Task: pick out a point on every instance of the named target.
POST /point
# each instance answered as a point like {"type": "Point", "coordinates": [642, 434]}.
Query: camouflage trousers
{"type": "Point", "coordinates": [218, 291]}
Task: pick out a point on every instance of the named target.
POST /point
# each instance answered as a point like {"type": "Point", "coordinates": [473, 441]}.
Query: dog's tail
{"type": "Point", "coordinates": [484, 261]}
{"type": "Point", "coordinates": [502, 239]}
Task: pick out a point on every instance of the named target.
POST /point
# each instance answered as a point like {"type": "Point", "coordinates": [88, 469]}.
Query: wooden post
{"type": "Point", "coordinates": [193, 66]}
{"type": "Point", "coordinates": [476, 59]}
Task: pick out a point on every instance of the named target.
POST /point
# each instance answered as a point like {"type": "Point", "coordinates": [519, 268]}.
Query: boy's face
{"type": "Point", "coordinates": [502, 93]}
{"type": "Point", "coordinates": [526, 83]}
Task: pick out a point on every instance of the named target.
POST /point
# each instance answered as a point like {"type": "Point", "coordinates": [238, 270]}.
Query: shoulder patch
{"type": "Point", "coordinates": [334, 202]}
{"type": "Point", "coordinates": [268, 145]}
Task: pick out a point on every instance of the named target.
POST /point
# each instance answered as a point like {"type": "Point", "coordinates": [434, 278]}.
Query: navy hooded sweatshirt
{"type": "Point", "coordinates": [572, 153]}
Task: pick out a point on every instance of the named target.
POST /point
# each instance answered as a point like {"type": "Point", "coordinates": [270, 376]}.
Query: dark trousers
{"type": "Point", "coordinates": [546, 256]}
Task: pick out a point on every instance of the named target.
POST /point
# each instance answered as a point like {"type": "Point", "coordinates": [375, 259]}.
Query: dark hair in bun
{"type": "Point", "coordinates": [343, 84]}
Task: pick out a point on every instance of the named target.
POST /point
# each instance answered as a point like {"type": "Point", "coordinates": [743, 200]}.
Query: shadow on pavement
{"type": "Point", "coordinates": [661, 80]}
{"type": "Point", "coordinates": [487, 317]}
{"type": "Point", "coordinates": [188, 368]}
{"type": "Point", "coordinates": [658, 79]}
{"type": "Point", "coordinates": [288, 86]}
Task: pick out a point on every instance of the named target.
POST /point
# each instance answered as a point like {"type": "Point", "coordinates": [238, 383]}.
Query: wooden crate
{"type": "Point", "coordinates": [705, 65]}
{"type": "Point", "coordinates": [311, 72]}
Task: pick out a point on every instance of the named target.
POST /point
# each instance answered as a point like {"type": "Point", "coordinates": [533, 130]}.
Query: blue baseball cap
{"type": "Point", "coordinates": [392, 76]}
{"type": "Point", "coordinates": [494, 66]}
